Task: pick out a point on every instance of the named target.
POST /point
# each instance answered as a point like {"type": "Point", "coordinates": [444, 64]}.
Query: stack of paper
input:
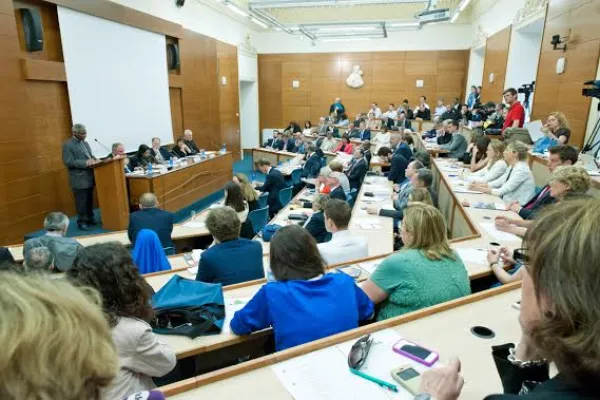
{"type": "Point", "coordinates": [231, 307]}
{"type": "Point", "coordinates": [500, 236]}
{"type": "Point", "coordinates": [475, 256]}
{"type": "Point", "coordinates": [369, 266]}
{"type": "Point", "coordinates": [194, 224]}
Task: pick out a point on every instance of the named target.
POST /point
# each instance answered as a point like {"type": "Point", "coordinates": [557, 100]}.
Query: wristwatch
{"type": "Point", "coordinates": [423, 396]}
{"type": "Point", "coordinates": [524, 364]}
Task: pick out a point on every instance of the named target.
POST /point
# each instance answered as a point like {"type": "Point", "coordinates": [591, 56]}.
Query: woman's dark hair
{"type": "Point", "coordinates": [307, 123]}
{"type": "Point", "coordinates": [180, 139]}
{"type": "Point", "coordinates": [234, 198]}
{"type": "Point", "coordinates": [142, 149]}
{"type": "Point", "coordinates": [294, 255]}
{"type": "Point", "coordinates": [482, 144]}
{"type": "Point", "coordinates": [346, 138]}
{"type": "Point", "coordinates": [109, 269]}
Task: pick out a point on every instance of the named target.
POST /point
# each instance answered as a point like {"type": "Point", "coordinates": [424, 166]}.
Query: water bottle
{"type": "Point", "coordinates": [223, 149]}
{"type": "Point", "coordinates": [149, 168]}
{"type": "Point", "coordinates": [171, 163]}
{"type": "Point", "coordinates": [203, 154]}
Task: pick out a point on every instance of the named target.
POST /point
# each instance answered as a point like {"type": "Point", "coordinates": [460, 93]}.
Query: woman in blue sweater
{"type": "Point", "coordinates": [304, 303]}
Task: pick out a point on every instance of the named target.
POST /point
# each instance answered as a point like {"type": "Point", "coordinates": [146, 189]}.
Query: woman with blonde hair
{"type": "Point", "coordinates": [557, 127]}
{"type": "Point", "coordinates": [248, 191]}
{"type": "Point", "coordinates": [420, 196]}
{"type": "Point", "coordinates": [61, 346]}
{"type": "Point", "coordinates": [496, 166]}
{"type": "Point", "coordinates": [425, 261]}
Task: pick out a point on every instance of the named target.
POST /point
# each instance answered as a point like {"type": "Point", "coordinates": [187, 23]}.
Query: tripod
{"type": "Point", "coordinates": [592, 142]}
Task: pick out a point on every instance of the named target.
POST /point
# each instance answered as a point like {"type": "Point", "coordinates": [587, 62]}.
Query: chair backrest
{"type": "Point", "coordinates": [285, 195]}
{"type": "Point", "coordinates": [351, 196]}
{"type": "Point", "coordinates": [169, 250]}
{"type": "Point", "coordinates": [259, 219]}
{"type": "Point", "coordinates": [296, 175]}
{"type": "Point", "coordinates": [262, 200]}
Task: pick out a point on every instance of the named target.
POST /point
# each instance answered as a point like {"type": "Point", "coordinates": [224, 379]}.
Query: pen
{"type": "Point", "coordinates": [381, 383]}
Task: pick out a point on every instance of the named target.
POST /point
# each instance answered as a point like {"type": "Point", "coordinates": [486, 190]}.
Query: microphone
{"type": "Point", "coordinates": [103, 146]}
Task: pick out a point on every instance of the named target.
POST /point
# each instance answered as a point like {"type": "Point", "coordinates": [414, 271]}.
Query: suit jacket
{"type": "Point", "coordinates": [154, 219]}
{"type": "Point", "coordinates": [404, 150]}
{"type": "Point", "coordinates": [192, 145]}
{"type": "Point", "coordinates": [277, 144]}
{"type": "Point", "coordinates": [75, 153]}
{"type": "Point", "coordinates": [178, 153]}
{"type": "Point", "coordinates": [457, 146]}
{"type": "Point", "coordinates": [163, 152]}
{"type": "Point", "coordinates": [368, 157]}
{"type": "Point", "coordinates": [5, 255]}
{"type": "Point", "coordinates": [63, 249]}
{"type": "Point", "coordinates": [537, 203]}
{"type": "Point", "coordinates": [357, 173]}
{"type": "Point", "coordinates": [406, 124]}
{"type": "Point", "coordinates": [364, 135]}
{"type": "Point", "coordinates": [447, 138]}
{"type": "Point", "coordinates": [312, 166]}
{"type": "Point", "coordinates": [338, 193]}
{"type": "Point", "coordinates": [516, 184]}
{"type": "Point", "coordinates": [290, 146]}
{"type": "Point", "coordinates": [398, 168]}
{"type": "Point", "coordinates": [316, 227]}
{"type": "Point", "coordinates": [273, 184]}
{"type": "Point", "coordinates": [231, 262]}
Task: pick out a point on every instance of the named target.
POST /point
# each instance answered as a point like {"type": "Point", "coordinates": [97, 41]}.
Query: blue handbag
{"type": "Point", "coordinates": [543, 144]}
{"type": "Point", "coordinates": [269, 230]}
{"type": "Point", "coordinates": [188, 307]}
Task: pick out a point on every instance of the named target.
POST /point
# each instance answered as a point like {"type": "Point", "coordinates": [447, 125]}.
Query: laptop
{"type": "Point", "coordinates": [589, 163]}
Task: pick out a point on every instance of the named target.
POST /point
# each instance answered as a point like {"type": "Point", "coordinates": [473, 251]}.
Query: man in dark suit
{"type": "Point", "coordinates": [78, 158]}
{"type": "Point", "coordinates": [277, 143]}
{"type": "Point", "coordinates": [398, 162]}
{"type": "Point", "coordinates": [273, 185]}
{"type": "Point", "coordinates": [230, 259]}
{"type": "Point", "coordinates": [290, 145]}
{"type": "Point", "coordinates": [363, 132]}
{"type": "Point", "coordinates": [189, 141]}
{"type": "Point", "coordinates": [315, 225]}
{"type": "Point", "coordinates": [312, 166]}
{"type": "Point", "coordinates": [402, 122]}
{"type": "Point", "coordinates": [400, 143]}
{"type": "Point", "coordinates": [366, 147]}
{"type": "Point", "coordinates": [161, 155]}
{"type": "Point", "coordinates": [153, 218]}
{"type": "Point", "coordinates": [358, 169]}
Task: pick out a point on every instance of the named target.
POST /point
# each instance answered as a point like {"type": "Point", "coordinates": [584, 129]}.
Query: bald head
{"type": "Point", "coordinates": [148, 200]}
{"type": "Point", "coordinates": [188, 134]}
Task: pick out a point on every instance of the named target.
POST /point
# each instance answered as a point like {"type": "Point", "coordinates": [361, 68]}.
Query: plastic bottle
{"type": "Point", "coordinates": [149, 168]}
{"type": "Point", "coordinates": [223, 149]}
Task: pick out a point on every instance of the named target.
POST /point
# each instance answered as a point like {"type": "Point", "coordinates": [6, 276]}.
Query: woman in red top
{"type": "Point", "coordinates": [345, 146]}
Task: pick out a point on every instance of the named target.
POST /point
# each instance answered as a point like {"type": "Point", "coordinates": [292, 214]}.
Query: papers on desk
{"type": "Point", "coordinates": [369, 267]}
{"type": "Point", "coordinates": [325, 375]}
{"type": "Point", "coordinates": [231, 307]}
{"type": "Point", "coordinates": [490, 206]}
{"type": "Point", "coordinates": [195, 259]}
{"type": "Point", "coordinates": [476, 256]}
{"type": "Point", "coordinates": [500, 236]}
{"type": "Point", "coordinates": [368, 224]}
{"type": "Point", "coordinates": [194, 224]}
{"type": "Point", "coordinates": [463, 190]}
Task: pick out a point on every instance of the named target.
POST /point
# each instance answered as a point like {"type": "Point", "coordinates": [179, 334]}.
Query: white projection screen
{"type": "Point", "coordinates": [118, 81]}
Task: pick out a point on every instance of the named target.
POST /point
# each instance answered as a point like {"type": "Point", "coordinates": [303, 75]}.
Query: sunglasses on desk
{"type": "Point", "coordinates": [359, 352]}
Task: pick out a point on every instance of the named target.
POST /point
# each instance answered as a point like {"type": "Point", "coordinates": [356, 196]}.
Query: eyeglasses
{"type": "Point", "coordinates": [359, 352]}
{"type": "Point", "coordinates": [521, 256]}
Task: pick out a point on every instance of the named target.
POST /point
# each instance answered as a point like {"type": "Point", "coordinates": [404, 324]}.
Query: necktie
{"type": "Point", "coordinates": [540, 197]}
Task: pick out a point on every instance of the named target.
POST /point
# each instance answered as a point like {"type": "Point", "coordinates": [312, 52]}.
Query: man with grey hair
{"type": "Point", "coordinates": [151, 217]}
{"type": "Point", "coordinates": [118, 149]}
{"type": "Point", "coordinates": [78, 158]}
{"type": "Point", "coordinates": [39, 259]}
{"type": "Point", "coordinates": [189, 141]}
{"type": "Point", "coordinates": [63, 249]}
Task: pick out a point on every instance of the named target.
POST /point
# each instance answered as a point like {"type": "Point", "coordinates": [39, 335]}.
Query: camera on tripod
{"type": "Point", "coordinates": [593, 91]}
{"type": "Point", "coordinates": [527, 89]}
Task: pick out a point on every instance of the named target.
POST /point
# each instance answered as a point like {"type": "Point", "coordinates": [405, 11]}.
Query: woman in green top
{"type": "Point", "coordinates": [424, 273]}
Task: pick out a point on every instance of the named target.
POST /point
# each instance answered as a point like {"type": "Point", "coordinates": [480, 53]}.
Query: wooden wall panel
{"type": "Point", "coordinates": [229, 107]}
{"type": "Point", "coordinates": [389, 77]}
{"type": "Point", "coordinates": [176, 101]}
{"type": "Point", "coordinates": [496, 59]}
{"type": "Point", "coordinates": [553, 92]}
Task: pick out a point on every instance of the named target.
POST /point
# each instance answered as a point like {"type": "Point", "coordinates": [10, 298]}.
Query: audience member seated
{"type": "Point", "coordinates": [423, 179]}
{"type": "Point", "coordinates": [63, 249]}
{"type": "Point", "coordinates": [324, 304]}
{"type": "Point", "coordinates": [62, 347]}
{"type": "Point", "coordinates": [515, 118]}
{"type": "Point", "coordinates": [148, 253]}
{"type": "Point", "coordinates": [117, 149]}
{"type": "Point", "coordinates": [402, 122]}
{"type": "Point", "coordinates": [373, 123]}
{"type": "Point", "coordinates": [344, 146]}
{"type": "Point", "coordinates": [181, 150]}
{"type": "Point", "coordinates": [440, 109]}
{"type": "Point", "coordinates": [153, 218]}
{"type": "Point", "coordinates": [332, 180]}
{"type": "Point", "coordinates": [315, 224]}
{"type": "Point", "coordinates": [273, 184]}
{"type": "Point", "coordinates": [160, 154]}
{"type": "Point", "coordinates": [465, 115]}
{"type": "Point", "coordinates": [402, 146]}
{"type": "Point", "coordinates": [293, 128]}
{"type": "Point", "coordinates": [458, 143]}
{"type": "Point", "coordinates": [477, 116]}
{"type": "Point", "coordinates": [189, 141]}
{"type": "Point", "coordinates": [277, 143]}
{"type": "Point", "coordinates": [313, 162]}
{"type": "Point", "coordinates": [289, 142]}
{"type": "Point", "coordinates": [390, 115]}
{"type": "Point", "coordinates": [424, 273]}
{"type": "Point", "coordinates": [329, 143]}
{"type": "Point", "coordinates": [397, 163]}
{"type": "Point", "coordinates": [109, 269]}
{"type": "Point", "coordinates": [400, 200]}
{"type": "Point", "coordinates": [495, 164]}
{"type": "Point", "coordinates": [381, 139]}
{"type": "Point", "coordinates": [362, 133]}
{"type": "Point", "coordinates": [299, 144]}
{"type": "Point", "coordinates": [422, 102]}
{"type": "Point", "coordinates": [476, 154]}
{"type": "Point", "coordinates": [366, 148]}
{"type": "Point", "coordinates": [308, 129]}
{"type": "Point", "coordinates": [558, 156]}
{"type": "Point", "coordinates": [436, 130]}
{"type": "Point", "coordinates": [517, 183]}
{"type": "Point", "coordinates": [250, 195]}
{"type": "Point", "coordinates": [142, 158]}
{"type": "Point", "coordinates": [566, 182]}
{"type": "Point", "coordinates": [230, 259]}
{"type": "Point", "coordinates": [343, 246]}
{"type": "Point", "coordinates": [343, 120]}
{"type": "Point", "coordinates": [495, 118]}
{"type": "Point", "coordinates": [423, 156]}
{"type": "Point", "coordinates": [557, 127]}
{"type": "Point", "coordinates": [374, 111]}
{"type": "Point", "coordinates": [235, 200]}
{"type": "Point", "coordinates": [423, 113]}
{"type": "Point", "coordinates": [39, 259]}
{"type": "Point", "coordinates": [405, 107]}
{"type": "Point", "coordinates": [357, 170]}
{"type": "Point", "coordinates": [337, 167]}
{"type": "Point", "coordinates": [501, 260]}
{"type": "Point", "coordinates": [558, 325]}
{"type": "Point", "coordinates": [322, 128]}
{"type": "Point", "coordinates": [420, 195]}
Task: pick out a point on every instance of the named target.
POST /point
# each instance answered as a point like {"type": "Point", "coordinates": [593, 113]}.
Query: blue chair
{"type": "Point", "coordinates": [169, 251]}
{"type": "Point", "coordinates": [285, 195]}
{"type": "Point", "coordinates": [296, 176]}
{"type": "Point", "coordinates": [351, 196]}
{"type": "Point", "coordinates": [259, 219]}
{"type": "Point", "coordinates": [262, 200]}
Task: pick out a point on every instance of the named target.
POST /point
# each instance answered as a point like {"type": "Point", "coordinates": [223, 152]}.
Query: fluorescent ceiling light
{"type": "Point", "coordinates": [348, 39]}
{"type": "Point", "coordinates": [277, 29]}
{"type": "Point", "coordinates": [237, 10]}
{"type": "Point", "coordinates": [348, 28]}
{"type": "Point", "coordinates": [463, 5]}
{"type": "Point", "coordinates": [259, 22]}
{"type": "Point", "coordinates": [455, 17]}
{"type": "Point", "coordinates": [402, 24]}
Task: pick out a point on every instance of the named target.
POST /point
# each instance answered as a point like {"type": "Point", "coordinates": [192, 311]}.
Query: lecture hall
{"type": "Point", "coordinates": [299, 199]}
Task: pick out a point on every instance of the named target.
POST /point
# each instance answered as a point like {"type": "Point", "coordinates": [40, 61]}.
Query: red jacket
{"type": "Point", "coordinates": [348, 149]}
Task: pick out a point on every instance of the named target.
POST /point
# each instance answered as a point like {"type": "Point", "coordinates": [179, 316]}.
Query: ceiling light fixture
{"type": "Point", "coordinates": [259, 22]}
{"type": "Point", "coordinates": [454, 17]}
{"type": "Point", "coordinates": [348, 28]}
{"type": "Point", "coordinates": [463, 5]}
{"type": "Point", "coordinates": [402, 24]}
{"type": "Point", "coordinates": [346, 39]}
{"type": "Point", "coordinates": [237, 10]}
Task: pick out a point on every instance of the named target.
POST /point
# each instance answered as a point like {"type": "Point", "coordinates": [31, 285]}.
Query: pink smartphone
{"type": "Point", "coordinates": [415, 352]}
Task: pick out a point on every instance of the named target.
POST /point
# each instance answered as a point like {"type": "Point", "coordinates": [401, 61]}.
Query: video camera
{"type": "Point", "coordinates": [593, 91]}
{"type": "Point", "coordinates": [526, 88]}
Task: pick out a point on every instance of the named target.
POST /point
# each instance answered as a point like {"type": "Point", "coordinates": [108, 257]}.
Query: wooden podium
{"type": "Point", "coordinates": [112, 193]}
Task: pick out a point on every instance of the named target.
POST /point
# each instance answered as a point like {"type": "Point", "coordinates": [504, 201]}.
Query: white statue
{"type": "Point", "coordinates": [355, 79]}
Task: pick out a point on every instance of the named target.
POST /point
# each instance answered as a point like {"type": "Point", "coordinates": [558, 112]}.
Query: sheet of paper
{"type": "Point", "coordinates": [458, 189]}
{"type": "Point", "coordinates": [324, 375]}
{"type": "Point", "coordinates": [196, 255]}
{"type": "Point", "coordinates": [475, 256]}
{"type": "Point", "coordinates": [194, 224]}
{"type": "Point", "coordinates": [535, 129]}
{"type": "Point", "coordinates": [369, 226]}
{"type": "Point", "coordinates": [500, 236]}
{"type": "Point", "coordinates": [231, 307]}
{"type": "Point", "coordinates": [369, 266]}
{"type": "Point", "coordinates": [193, 270]}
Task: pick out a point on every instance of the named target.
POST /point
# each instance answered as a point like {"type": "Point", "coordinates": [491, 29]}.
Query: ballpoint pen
{"type": "Point", "coordinates": [381, 383]}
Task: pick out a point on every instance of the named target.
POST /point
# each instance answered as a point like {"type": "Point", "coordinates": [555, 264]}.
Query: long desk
{"type": "Point", "coordinates": [256, 380]}
{"type": "Point", "coordinates": [541, 173]}
{"type": "Point", "coordinates": [276, 156]}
